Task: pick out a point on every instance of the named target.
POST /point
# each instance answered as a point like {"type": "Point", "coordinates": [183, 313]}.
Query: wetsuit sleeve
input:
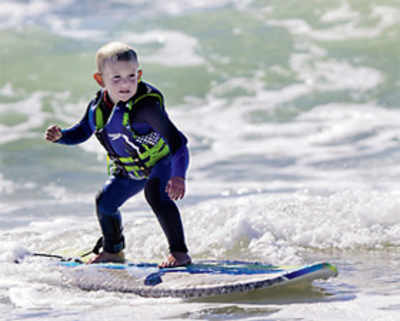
{"type": "Point", "coordinates": [150, 111]}
{"type": "Point", "coordinates": [78, 133]}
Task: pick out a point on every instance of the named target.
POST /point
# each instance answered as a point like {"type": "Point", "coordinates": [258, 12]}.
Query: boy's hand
{"type": "Point", "coordinates": [176, 188]}
{"type": "Point", "coordinates": [53, 133]}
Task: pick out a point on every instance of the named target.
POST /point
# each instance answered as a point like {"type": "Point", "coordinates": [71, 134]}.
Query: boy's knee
{"type": "Point", "coordinates": [98, 201]}
{"type": "Point", "coordinates": [102, 206]}
{"type": "Point", "coordinates": [152, 192]}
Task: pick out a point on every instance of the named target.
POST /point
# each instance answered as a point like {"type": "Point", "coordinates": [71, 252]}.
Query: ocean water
{"type": "Point", "coordinates": [292, 113]}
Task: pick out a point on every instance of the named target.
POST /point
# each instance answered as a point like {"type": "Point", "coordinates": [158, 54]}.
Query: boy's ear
{"type": "Point", "coordinates": [97, 76]}
{"type": "Point", "coordinates": [140, 74]}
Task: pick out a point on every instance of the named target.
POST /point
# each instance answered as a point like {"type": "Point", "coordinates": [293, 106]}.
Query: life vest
{"type": "Point", "coordinates": [128, 151]}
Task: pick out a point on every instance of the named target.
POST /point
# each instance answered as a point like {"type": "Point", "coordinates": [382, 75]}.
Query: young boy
{"type": "Point", "coordinates": [145, 150]}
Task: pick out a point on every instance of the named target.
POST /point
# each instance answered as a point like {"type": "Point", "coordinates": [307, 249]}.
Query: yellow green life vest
{"type": "Point", "coordinates": [128, 151]}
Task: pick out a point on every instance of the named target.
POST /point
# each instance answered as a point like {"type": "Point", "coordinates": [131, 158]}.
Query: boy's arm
{"type": "Point", "coordinates": [151, 112]}
{"type": "Point", "coordinates": [71, 136]}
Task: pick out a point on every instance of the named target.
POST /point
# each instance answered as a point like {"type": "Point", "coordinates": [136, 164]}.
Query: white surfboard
{"type": "Point", "coordinates": [201, 279]}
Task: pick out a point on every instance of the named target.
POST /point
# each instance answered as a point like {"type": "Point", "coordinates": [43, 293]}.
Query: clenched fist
{"type": "Point", "coordinates": [53, 133]}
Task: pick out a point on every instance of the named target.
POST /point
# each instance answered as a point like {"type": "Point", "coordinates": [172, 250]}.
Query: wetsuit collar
{"type": "Point", "coordinates": [107, 100]}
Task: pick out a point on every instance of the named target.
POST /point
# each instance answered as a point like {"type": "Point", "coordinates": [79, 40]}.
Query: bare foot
{"type": "Point", "coordinates": [106, 257]}
{"type": "Point", "coordinates": [176, 259]}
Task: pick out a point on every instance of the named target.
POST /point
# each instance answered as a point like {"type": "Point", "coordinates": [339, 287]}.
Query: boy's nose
{"type": "Point", "coordinates": [126, 81]}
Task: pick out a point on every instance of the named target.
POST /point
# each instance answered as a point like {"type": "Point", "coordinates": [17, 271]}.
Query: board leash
{"type": "Point", "coordinates": [95, 250]}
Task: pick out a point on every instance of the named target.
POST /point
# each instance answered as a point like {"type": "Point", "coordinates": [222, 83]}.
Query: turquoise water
{"type": "Point", "coordinates": [292, 114]}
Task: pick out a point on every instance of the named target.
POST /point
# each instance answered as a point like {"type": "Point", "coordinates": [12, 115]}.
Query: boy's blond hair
{"type": "Point", "coordinates": [115, 51]}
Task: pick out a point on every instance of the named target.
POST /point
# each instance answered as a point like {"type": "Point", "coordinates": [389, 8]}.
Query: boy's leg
{"type": "Point", "coordinates": [166, 211]}
{"type": "Point", "coordinates": [114, 193]}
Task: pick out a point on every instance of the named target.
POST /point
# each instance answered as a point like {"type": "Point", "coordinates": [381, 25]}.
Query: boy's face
{"type": "Point", "coordinates": [120, 79]}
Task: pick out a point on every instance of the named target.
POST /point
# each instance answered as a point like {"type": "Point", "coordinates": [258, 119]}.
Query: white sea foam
{"type": "Point", "coordinates": [272, 228]}
{"type": "Point", "coordinates": [16, 13]}
{"type": "Point", "coordinates": [65, 17]}
{"type": "Point", "coordinates": [347, 26]}
{"type": "Point", "coordinates": [7, 90]}
{"type": "Point", "coordinates": [277, 228]}
{"type": "Point", "coordinates": [333, 75]}
{"type": "Point", "coordinates": [342, 13]}
{"type": "Point", "coordinates": [72, 29]}
{"type": "Point", "coordinates": [35, 118]}
{"type": "Point", "coordinates": [178, 49]}
{"type": "Point", "coordinates": [373, 307]}
{"type": "Point", "coordinates": [6, 186]}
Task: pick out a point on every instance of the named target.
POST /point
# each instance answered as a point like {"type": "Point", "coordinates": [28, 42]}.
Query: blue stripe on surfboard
{"type": "Point", "coordinates": [310, 269]}
{"type": "Point", "coordinates": [155, 278]}
{"type": "Point", "coordinates": [210, 267]}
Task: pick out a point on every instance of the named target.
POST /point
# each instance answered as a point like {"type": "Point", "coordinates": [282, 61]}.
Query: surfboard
{"type": "Point", "coordinates": [201, 279]}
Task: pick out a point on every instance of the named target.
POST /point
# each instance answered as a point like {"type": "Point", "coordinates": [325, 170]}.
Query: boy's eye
{"type": "Point", "coordinates": [132, 76]}
{"type": "Point", "coordinates": [116, 78]}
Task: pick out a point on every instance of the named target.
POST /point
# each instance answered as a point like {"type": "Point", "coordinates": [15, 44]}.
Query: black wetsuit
{"type": "Point", "coordinates": [147, 114]}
